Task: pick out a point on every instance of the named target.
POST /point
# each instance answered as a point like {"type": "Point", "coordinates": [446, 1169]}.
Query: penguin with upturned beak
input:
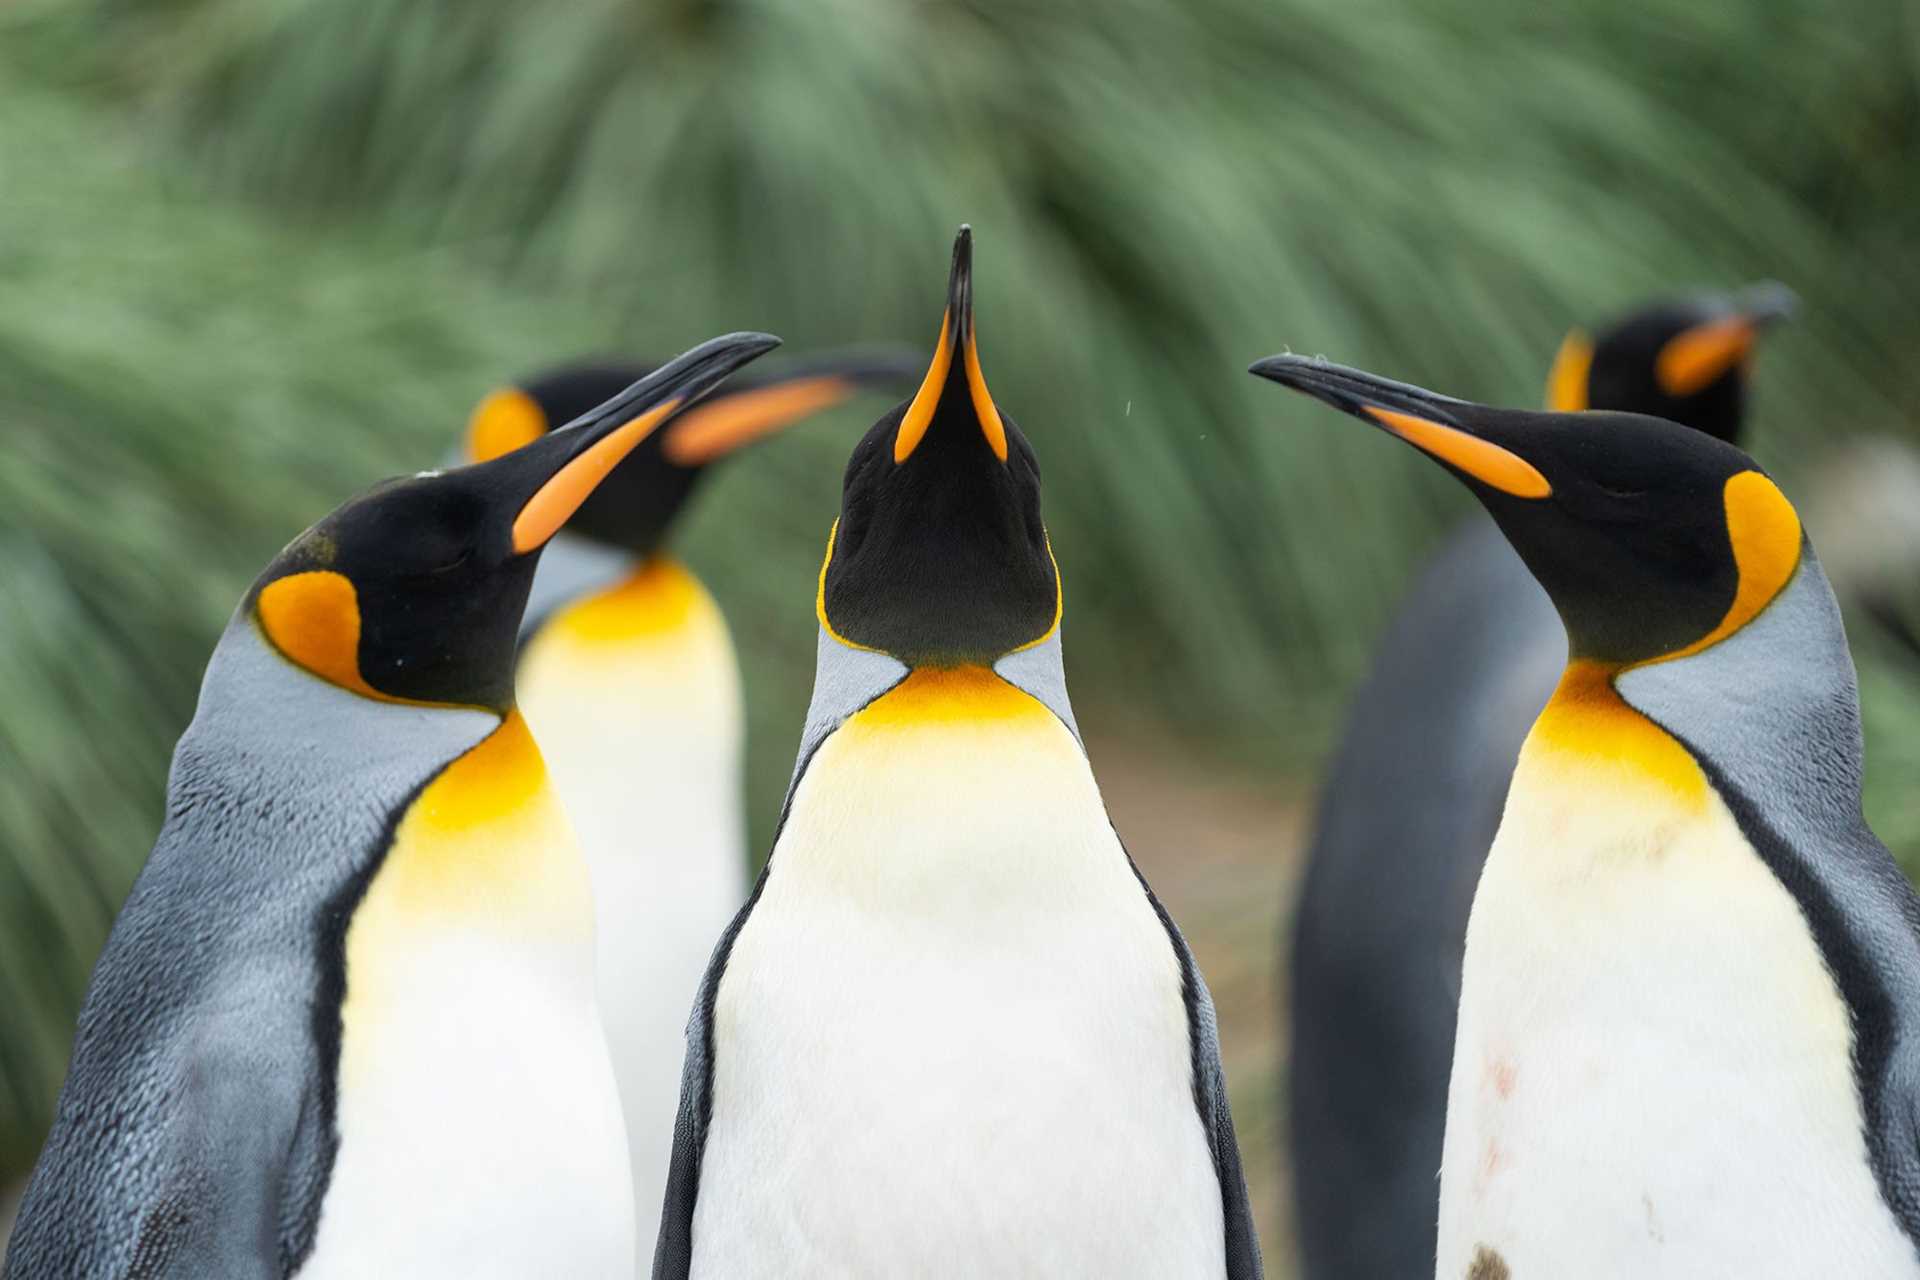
{"type": "Point", "coordinates": [1413, 798]}
{"type": "Point", "coordinates": [344, 1025]}
{"type": "Point", "coordinates": [1689, 1024]}
{"type": "Point", "coordinates": [628, 681]}
{"type": "Point", "coordinates": [952, 1033]}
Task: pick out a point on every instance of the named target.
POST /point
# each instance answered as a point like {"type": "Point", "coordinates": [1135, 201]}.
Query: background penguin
{"type": "Point", "coordinates": [1411, 804]}
{"type": "Point", "coordinates": [344, 1025]}
{"type": "Point", "coordinates": [628, 680]}
{"type": "Point", "coordinates": [952, 1032]}
{"type": "Point", "coordinates": [1691, 994]}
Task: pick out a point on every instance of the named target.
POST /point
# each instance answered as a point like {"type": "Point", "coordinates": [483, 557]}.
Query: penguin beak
{"type": "Point", "coordinates": [567, 464]}
{"type": "Point", "coordinates": [1435, 424]}
{"type": "Point", "coordinates": [1695, 358]}
{"type": "Point", "coordinates": [734, 419]}
{"type": "Point", "coordinates": [956, 356]}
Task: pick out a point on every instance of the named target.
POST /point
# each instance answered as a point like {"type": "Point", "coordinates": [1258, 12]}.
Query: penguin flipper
{"type": "Point", "coordinates": [673, 1250]}
{"type": "Point", "coordinates": [1210, 1099]}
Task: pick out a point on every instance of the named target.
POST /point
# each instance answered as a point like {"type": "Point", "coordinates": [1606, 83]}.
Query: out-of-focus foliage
{"type": "Point", "coordinates": [255, 252]}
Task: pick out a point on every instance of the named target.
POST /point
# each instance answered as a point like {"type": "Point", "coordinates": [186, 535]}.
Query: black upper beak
{"type": "Point", "coordinates": [560, 470]}
{"type": "Point", "coordinates": [1354, 390]}
{"type": "Point", "coordinates": [1767, 302]}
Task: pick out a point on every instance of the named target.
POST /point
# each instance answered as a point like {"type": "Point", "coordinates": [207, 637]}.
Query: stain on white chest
{"type": "Point", "coordinates": [950, 1039]}
{"type": "Point", "coordinates": [1652, 1071]}
{"type": "Point", "coordinates": [480, 1133]}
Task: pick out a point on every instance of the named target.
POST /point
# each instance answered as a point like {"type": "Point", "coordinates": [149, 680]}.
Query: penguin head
{"type": "Point", "coordinates": [634, 507]}
{"type": "Point", "coordinates": [1685, 360]}
{"type": "Point", "coordinates": [413, 591]}
{"type": "Point", "coordinates": [939, 556]}
{"type": "Point", "coordinates": [1653, 542]}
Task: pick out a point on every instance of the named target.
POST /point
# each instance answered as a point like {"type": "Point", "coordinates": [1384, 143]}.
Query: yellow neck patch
{"type": "Point", "coordinates": [313, 619]}
{"type": "Point", "coordinates": [495, 778]}
{"type": "Point", "coordinates": [1571, 375]}
{"type": "Point", "coordinates": [948, 696]}
{"type": "Point", "coordinates": [660, 598]}
{"type": "Point", "coordinates": [1587, 722]}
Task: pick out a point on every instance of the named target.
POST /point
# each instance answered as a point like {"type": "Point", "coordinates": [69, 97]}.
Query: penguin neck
{"type": "Point", "coordinates": [573, 567]}
{"type": "Point", "coordinates": [848, 679]}
{"type": "Point", "coordinates": [267, 729]}
{"type": "Point", "coordinates": [1772, 711]}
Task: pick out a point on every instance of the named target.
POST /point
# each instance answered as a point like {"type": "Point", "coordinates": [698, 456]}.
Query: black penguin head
{"type": "Point", "coordinates": [939, 556]}
{"type": "Point", "coordinates": [1684, 360]}
{"type": "Point", "coordinates": [1651, 541]}
{"type": "Point", "coordinates": [635, 506]}
{"type": "Point", "coordinates": [413, 591]}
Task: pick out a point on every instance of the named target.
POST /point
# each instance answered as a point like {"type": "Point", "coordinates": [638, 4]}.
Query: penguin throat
{"type": "Point", "coordinates": [1588, 730]}
{"type": "Point", "coordinates": [953, 694]}
{"type": "Point", "coordinates": [658, 599]}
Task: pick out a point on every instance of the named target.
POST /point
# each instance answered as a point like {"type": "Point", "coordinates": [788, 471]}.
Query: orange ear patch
{"type": "Point", "coordinates": [1485, 461]}
{"type": "Point", "coordinates": [920, 413]}
{"type": "Point", "coordinates": [1693, 358]}
{"type": "Point", "coordinates": [503, 422]}
{"type": "Point", "coordinates": [719, 426]}
{"type": "Point", "coordinates": [1765, 532]}
{"type": "Point", "coordinates": [554, 503]}
{"type": "Point", "coordinates": [314, 620]}
{"type": "Point", "coordinates": [1568, 380]}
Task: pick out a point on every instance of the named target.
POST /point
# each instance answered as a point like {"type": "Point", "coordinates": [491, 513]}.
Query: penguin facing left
{"type": "Point", "coordinates": [344, 1025]}
{"type": "Point", "coordinates": [1689, 1026]}
{"type": "Point", "coordinates": [628, 681]}
{"type": "Point", "coordinates": [952, 1033]}
{"type": "Point", "coordinates": [1412, 799]}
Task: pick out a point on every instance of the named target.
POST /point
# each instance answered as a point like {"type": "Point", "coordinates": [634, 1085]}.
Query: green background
{"type": "Point", "coordinates": [255, 254]}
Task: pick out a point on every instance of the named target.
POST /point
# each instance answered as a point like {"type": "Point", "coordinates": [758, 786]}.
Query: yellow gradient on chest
{"type": "Point", "coordinates": [1590, 732]}
{"type": "Point", "coordinates": [1588, 729]}
{"type": "Point", "coordinates": [484, 850]}
{"type": "Point", "coordinates": [950, 696]}
{"type": "Point", "coordinates": [660, 599]}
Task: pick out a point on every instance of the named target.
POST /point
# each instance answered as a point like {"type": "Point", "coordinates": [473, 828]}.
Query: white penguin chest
{"type": "Point", "coordinates": [634, 697]}
{"type": "Point", "coordinates": [480, 1133]}
{"type": "Point", "coordinates": [950, 1038]}
{"type": "Point", "coordinates": [1652, 1071]}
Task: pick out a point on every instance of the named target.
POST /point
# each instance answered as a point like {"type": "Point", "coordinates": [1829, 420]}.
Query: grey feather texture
{"type": "Point", "coordinates": [1773, 716]}
{"type": "Point", "coordinates": [194, 1135]}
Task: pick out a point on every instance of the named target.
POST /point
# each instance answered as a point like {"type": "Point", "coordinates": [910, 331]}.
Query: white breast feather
{"type": "Point", "coordinates": [950, 1040]}
{"type": "Point", "coordinates": [1652, 1072]}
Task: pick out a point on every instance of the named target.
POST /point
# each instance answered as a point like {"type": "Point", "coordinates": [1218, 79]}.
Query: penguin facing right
{"type": "Point", "coordinates": [628, 680]}
{"type": "Point", "coordinates": [1411, 803]}
{"type": "Point", "coordinates": [1689, 1029]}
{"type": "Point", "coordinates": [952, 1033]}
{"type": "Point", "coordinates": [344, 1025]}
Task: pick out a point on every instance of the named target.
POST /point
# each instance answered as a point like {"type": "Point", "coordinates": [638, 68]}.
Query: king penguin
{"type": "Point", "coordinates": [1413, 798]}
{"type": "Point", "coordinates": [628, 681]}
{"type": "Point", "coordinates": [952, 1033]}
{"type": "Point", "coordinates": [344, 1025]}
{"type": "Point", "coordinates": [1689, 1024]}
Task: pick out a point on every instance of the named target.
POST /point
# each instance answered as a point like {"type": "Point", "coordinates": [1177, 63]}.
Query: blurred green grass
{"type": "Point", "coordinates": [256, 253]}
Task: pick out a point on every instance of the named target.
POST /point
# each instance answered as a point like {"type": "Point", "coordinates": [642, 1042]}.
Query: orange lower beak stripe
{"type": "Point", "coordinates": [718, 427]}
{"type": "Point", "coordinates": [919, 414]}
{"type": "Point", "coordinates": [556, 500]}
{"type": "Point", "coordinates": [1694, 358]}
{"type": "Point", "coordinates": [1485, 461]}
